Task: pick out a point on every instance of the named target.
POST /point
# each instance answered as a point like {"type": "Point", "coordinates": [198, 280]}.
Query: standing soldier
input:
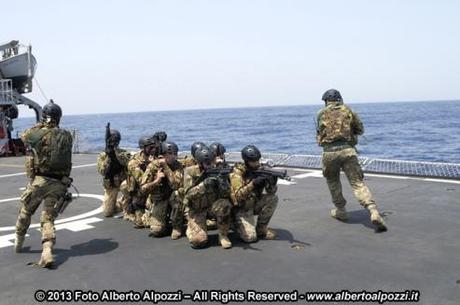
{"type": "Point", "coordinates": [250, 199]}
{"type": "Point", "coordinates": [337, 132]}
{"type": "Point", "coordinates": [135, 199]}
{"type": "Point", "coordinates": [205, 195]}
{"type": "Point", "coordinates": [112, 164]}
{"type": "Point", "coordinates": [48, 167]}
{"type": "Point", "coordinates": [162, 182]}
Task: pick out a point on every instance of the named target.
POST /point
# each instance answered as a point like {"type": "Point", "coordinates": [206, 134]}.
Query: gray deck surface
{"type": "Point", "coordinates": [313, 252]}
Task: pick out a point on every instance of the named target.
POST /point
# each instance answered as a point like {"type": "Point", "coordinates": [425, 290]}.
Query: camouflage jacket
{"type": "Point", "coordinates": [244, 194]}
{"type": "Point", "coordinates": [198, 197]}
{"type": "Point", "coordinates": [123, 158]}
{"type": "Point", "coordinates": [136, 168]}
{"type": "Point", "coordinates": [337, 123]}
{"type": "Point", "coordinates": [188, 161]}
{"type": "Point", "coordinates": [50, 150]}
{"type": "Point", "coordinates": [171, 182]}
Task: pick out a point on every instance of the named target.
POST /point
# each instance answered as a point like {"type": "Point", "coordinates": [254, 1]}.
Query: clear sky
{"type": "Point", "coordinates": [117, 56]}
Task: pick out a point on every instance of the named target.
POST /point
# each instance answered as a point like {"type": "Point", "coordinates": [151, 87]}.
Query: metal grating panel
{"type": "Point", "coordinates": [381, 166]}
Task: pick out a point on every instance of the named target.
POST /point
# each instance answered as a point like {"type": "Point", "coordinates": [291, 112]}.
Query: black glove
{"type": "Point", "coordinates": [210, 183]}
{"type": "Point", "coordinates": [259, 182]}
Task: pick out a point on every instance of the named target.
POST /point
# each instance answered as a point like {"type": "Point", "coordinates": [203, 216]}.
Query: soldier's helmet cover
{"type": "Point", "coordinates": [169, 148]}
{"type": "Point", "coordinates": [250, 153]}
{"type": "Point", "coordinates": [115, 136]}
{"type": "Point", "coordinates": [332, 95]}
{"type": "Point", "coordinates": [204, 155]}
{"type": "Point", "coordinates": [145, 141]}
{"type": "Point", "coordinates": [160, 136]}
{"type": "Point", "coordinates": [195, 146]}
{"type": "Point", "coordinates": [53, 111]}
{"type": "Point", "coordinates": [217, 148]}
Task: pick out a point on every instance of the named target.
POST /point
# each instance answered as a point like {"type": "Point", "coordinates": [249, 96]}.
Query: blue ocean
{"type": "Point", "coordinates": [423, 131]}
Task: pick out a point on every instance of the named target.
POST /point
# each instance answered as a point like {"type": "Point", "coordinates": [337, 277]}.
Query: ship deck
{"type": "Point", "coordinates": [313, 252]}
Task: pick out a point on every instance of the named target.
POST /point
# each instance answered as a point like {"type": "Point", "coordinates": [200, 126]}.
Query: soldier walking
{"type": "Point", "coordinates": [337, 132]}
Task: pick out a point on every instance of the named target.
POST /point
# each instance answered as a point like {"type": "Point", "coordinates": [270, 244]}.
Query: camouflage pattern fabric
{"type": "Point", "coordinates": [338, 123]}
{"type": "Point", "coordinates": [201, 202]}
{"type": "Point", "coordinates": [110, 204]}
{"type": "Point", "coordinates": [41, 189]}
{"type": "Point", "coordinates": [346, 160]}
{"type": "Point", "coordinates": [135, 170]}
{"type": "Point", "coordinates": [163, 196]}
{"type": "Point", "coordinates": [250, 202]}
{"type": "Point", "coordinates": [50, 150]}
{"type": "Point", "coordinates": [188, 161]}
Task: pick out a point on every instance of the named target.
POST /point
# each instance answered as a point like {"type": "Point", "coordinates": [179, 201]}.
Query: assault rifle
{"type": "Point", "coordinates": [265, 172]}
{"type": "Point", "coordinates": [113, 165]}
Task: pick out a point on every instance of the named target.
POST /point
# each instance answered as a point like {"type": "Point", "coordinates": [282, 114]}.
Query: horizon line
{"type": "Point", "coordinates": [257, 106]}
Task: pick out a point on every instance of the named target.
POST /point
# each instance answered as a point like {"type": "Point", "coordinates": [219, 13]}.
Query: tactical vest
{"type": "Point", "coordinates": [51, 151]}
{"type": "Point", "coordinates": [335, 125]}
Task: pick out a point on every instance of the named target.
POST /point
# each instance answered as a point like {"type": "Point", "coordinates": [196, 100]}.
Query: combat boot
{"type": "Point", "coordinates": [264, 232]}
{"type": "Point", "coordinates": [225, 241]}
{"type": "Point", "coordinates": [138, 221]}
{"type": "Point", "coordinates": [339, 214]}
{"type": "Point", "coordinates": [47, 260]}
{"type": "Point", "coordinates": [211, 224]}
{"type": "Point", "coordinates": [176, 233]}
{"type": "Point", "coordinates": [18, 242]}
{"type": "Point", "coordinates": [376, 219]}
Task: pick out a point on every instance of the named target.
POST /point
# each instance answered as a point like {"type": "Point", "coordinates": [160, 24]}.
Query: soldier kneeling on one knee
{"type": "Point", "coordinates": [206, 195]}
{"type": "Point", "coordinates": [162, 182]}
{"type": "Point", "coordinates": [253, 195]}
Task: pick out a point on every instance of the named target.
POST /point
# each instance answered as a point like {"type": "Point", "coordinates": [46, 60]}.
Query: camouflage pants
{"type": "Point", "coordinates": [161, 211]}
{"type": "Point", "coordinates": [40, 189]}
{"type": "Point", "coordinates": [245, 220]}
{"type": "Point", "coordinates": [125, 197]}
{"type": "Point", "coordinates": [110, 205]}
{"type": "Point", "coordinates": [347, 160]}
{"type": "Point", "coordinates": [197, 233]}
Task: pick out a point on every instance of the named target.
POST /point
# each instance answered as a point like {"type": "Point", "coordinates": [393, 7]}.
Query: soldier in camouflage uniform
{"type": "Point", "coordinates": [162, 182]}
{"type": "Point", "coordinates": [203, 196]}
{"type": "Point", "coordinates": [112, 166]}
{"type": "Point", "coordinates": [135, 199]}
{"type": "Point", "coordinates": [48, 166]}
{"type": "Point", "coordinates": [337, 132]}
{"type": "Point", "coordinates": [250, 199]}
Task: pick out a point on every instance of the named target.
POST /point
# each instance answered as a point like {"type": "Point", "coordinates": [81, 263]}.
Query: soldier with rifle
{"type": "Point", "coordinates": [207, 192]}
{"type": "Point", "coordinates": [254, 193]}
{"type": "Point", "coordinates": [48, 166]}
{"type": "Point", "coordinates": [162, 182]}
{"type": "Point", "coordinates": [112, 164]}
{"type": "Point", "coordinates": [133, 199]}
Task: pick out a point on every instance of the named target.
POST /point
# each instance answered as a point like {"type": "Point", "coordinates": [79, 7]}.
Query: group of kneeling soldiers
{"type": "Point", "coordinates": [160, 191]}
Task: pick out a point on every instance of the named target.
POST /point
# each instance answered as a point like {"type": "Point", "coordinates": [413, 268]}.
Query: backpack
{"type": "Point", "coordinates": [52, 151]}
{"type": "Point", "coordinates": [335, 124]}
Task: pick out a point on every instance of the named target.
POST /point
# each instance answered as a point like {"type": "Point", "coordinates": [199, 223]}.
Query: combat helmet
{"type": "Point", "coordinates": [169, 148]}
{"type": "Point", "coordinates": [217, 148]}
{"type": "Point", "coordinates": [204, 155]}
{"type": "Point", "coordinates": [332, 95]}
{"type": "Point", "coordinates": [160, 136]}
{"type": "Point", "coordinates": [115, 137]}
{"type": "Point", "coordinates": [250, 153]}
{"type": "Point", "coordinates": [196, 146]}
{"type": "Point", "coordinates": [52, 111]}
{"type": "Point", "coordinates": [145, 141]}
